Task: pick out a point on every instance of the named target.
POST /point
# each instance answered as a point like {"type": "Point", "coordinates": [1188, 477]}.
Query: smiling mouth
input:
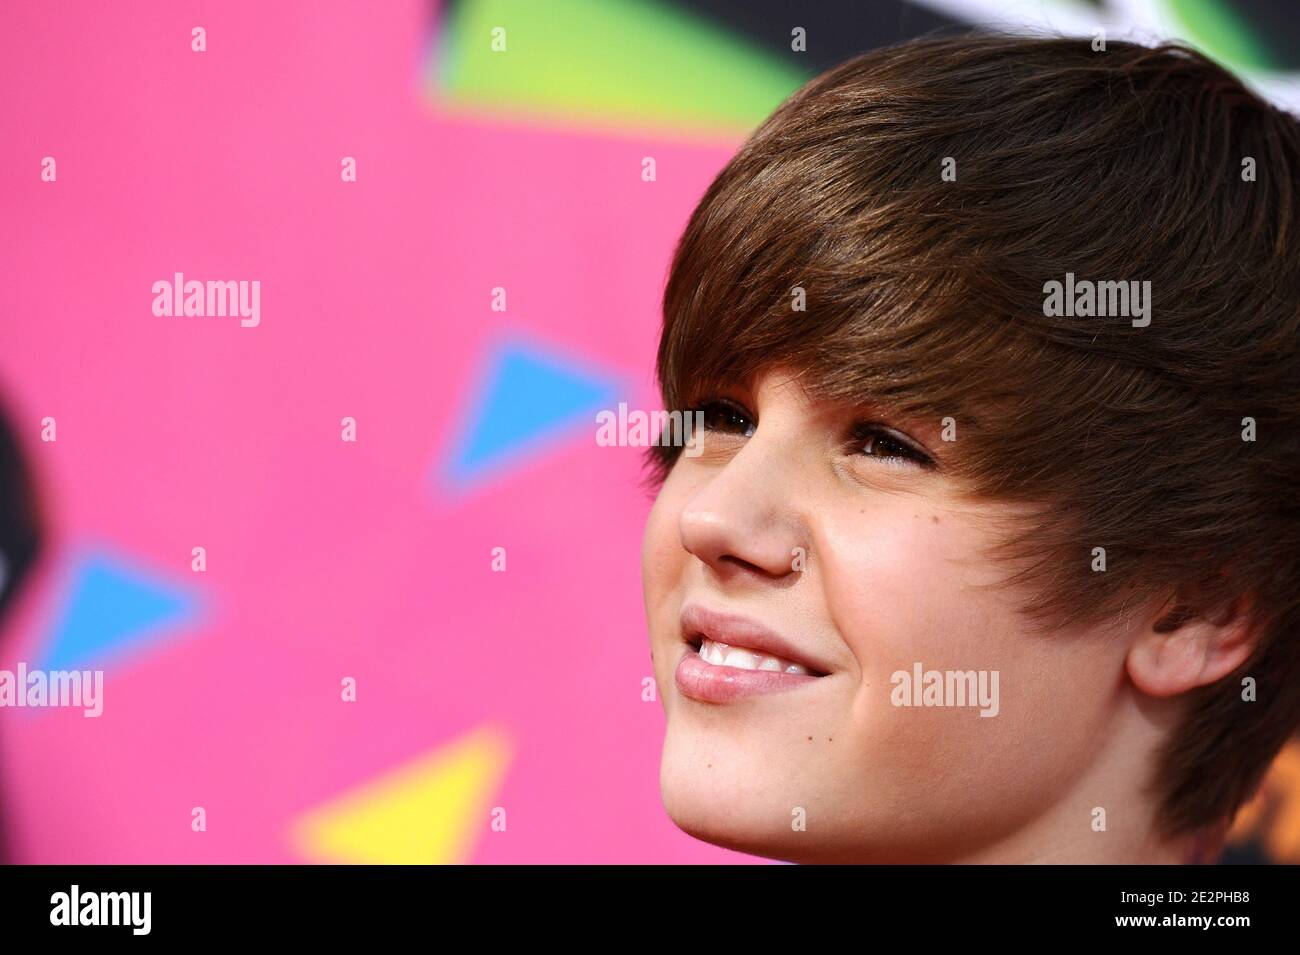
{"type": "Point", "coordinates": [720, 654]}
{"type": "Point", "coordinates": [734, 642]}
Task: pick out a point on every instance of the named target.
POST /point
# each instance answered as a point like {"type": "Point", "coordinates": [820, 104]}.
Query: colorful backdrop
{"type": "Point", "coordinates": [462, 306]}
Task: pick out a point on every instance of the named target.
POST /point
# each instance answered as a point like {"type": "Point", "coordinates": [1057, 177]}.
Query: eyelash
{"type": "Point", "coordinates": [861, 433]}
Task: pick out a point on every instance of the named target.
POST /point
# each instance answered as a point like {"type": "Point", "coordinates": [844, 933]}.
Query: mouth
{"type": "Point", "coordinates": [728, 657]}
{"type": "Point", "coordinates": [721, 654]}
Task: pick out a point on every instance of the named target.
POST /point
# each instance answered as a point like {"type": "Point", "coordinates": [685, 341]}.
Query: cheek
{"type": "Point", "coordinates": [662, 555]}
{"type": "Point", "coordinates": [903, 589]}
{"type": "Point", "coordinates": [897, 579]}
{"type": "Point", "coordinates": [663, 570]}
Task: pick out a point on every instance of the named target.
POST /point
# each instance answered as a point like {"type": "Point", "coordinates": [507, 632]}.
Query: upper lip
{"type": "Point", "coordinates": [737, 631]}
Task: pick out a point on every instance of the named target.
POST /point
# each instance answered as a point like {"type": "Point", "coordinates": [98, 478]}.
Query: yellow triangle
{"type": "Point", "coordinates": [429, 811]}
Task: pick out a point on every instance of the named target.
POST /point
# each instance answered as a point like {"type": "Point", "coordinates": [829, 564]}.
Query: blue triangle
{"type": "Point", "coordinates": [529, 395]}
{"type": "Point", "coordinates": [110, 608]}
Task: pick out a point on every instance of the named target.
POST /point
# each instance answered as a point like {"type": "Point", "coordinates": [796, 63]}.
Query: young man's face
{"type": "Point", "coordinates": [829, 768]}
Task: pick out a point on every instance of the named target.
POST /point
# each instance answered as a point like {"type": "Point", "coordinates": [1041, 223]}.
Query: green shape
{"type": "Point", "coordinates": [632, 62]}
{"type": "Point", "coordinates": [1221, 33]}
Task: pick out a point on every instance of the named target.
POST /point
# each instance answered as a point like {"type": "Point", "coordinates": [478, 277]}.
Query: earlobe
{"type": "Point", "coordinates": [1182, 651]}
{"type": "Point", "coordinates": [1166, 664]}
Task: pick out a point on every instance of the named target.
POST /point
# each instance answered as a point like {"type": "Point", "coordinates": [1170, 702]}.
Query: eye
{"type": "Point", "coordinates": [876, 441]}
{"type": "Point", "coordinates": [726, 417]}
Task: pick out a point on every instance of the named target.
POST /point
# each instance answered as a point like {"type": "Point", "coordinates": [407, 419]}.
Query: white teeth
{"type": "Point", "coordinates": [741, 659]}
{"type": "Point", "coordinates": [720, 654]}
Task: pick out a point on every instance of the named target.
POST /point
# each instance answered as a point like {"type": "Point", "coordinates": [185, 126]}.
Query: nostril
{"type": "Point", "coordinates": [753, 568]}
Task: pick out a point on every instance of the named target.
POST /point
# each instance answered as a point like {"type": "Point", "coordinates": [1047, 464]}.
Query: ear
{"type": "Point", "coordinates": [1181, 650]}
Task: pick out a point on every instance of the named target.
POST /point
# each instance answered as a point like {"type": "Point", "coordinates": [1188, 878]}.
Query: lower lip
{"type": "Point", "coordinates": [709, 683]}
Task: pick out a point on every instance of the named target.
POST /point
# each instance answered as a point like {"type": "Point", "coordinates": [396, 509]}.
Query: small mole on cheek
{"type": "Point", "coordinates": [810, 737]}
{"type": "Point", "coordinates": [935, 518]}
{"type": "Point", "coordinates": [830, 739]}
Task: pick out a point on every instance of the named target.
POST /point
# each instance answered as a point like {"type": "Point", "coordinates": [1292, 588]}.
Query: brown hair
{"type": "Point", "coordinates": [927, 295]}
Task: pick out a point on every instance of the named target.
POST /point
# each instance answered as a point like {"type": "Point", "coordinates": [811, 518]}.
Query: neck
{"type": "Point", "coordinates": [1108, 816]}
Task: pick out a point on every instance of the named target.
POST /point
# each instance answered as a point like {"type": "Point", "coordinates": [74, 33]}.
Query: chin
{"type": "Point", "coordinates": [736, 806]}
{"type": "Point", "coordinates": [742, 833]}
{"type": "Point", "coordinates": [740, 801]}
{"type": "Point", "coordinates": [715, 825]}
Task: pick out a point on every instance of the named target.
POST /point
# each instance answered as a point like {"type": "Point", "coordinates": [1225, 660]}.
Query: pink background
{"type": "Point", "coordinates": [326, 559]}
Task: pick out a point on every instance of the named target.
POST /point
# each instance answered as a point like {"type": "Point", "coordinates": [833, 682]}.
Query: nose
{"type": "Point", "coordinates": [744, 519]}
